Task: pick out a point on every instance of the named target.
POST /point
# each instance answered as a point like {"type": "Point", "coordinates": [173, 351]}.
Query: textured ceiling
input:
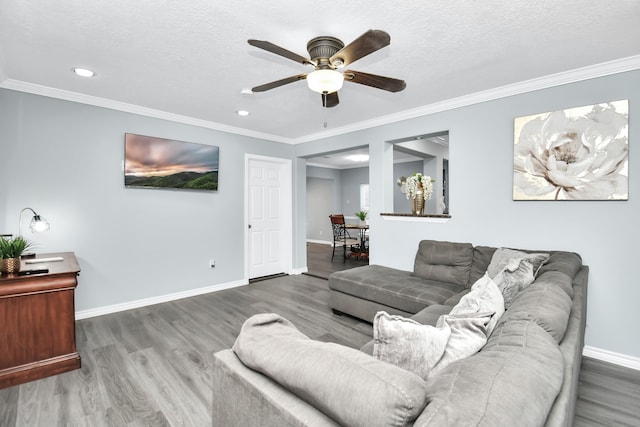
{"type": "Point", "coordinates": [191, 58]}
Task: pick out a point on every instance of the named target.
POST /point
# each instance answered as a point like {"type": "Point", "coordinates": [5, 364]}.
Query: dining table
{"type": "Point", "coordinates": [362, 251]}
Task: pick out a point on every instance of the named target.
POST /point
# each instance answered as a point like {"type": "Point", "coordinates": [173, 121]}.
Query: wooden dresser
{"type": "Point", "coordinates": [37, 320]}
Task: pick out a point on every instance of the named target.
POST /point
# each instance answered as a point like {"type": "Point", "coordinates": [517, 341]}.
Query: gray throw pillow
{"type": "Point", "coordinates": [514, 270]}
{"type": "Point", "coordinates": [347, 385]}
{"type": "Point", "coordinates": [505, 258]}
{"type": "Point", "coordinates": [408, 344]}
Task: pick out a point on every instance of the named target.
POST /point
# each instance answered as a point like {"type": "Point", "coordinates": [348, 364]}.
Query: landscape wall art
{"type": "Point", "coordinates": [152, 162]}
{"type": "Point", "coordinates": [575, 154]}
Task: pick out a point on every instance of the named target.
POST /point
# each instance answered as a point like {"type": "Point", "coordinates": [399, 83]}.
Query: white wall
{"type": "Point", "coordinates": [64, 159]}
{"type": "Point", "coordinates": [605, 233]}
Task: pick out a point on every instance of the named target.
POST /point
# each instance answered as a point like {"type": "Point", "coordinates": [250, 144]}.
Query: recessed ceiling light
{"type": "Point", "coordinates": [83, 72]}
{"type": "Point", "coordinates": [242, 112]}
{"type": "Point", "coordinates": [358, 157]}
{"type": "Point", "coordinates": [246, 91]}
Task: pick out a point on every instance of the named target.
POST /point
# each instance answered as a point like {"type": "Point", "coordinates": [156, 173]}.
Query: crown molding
{"type": "Point", "coordinates": [135, 109]}
{"type": "Point", "coordinates": [572, 76]}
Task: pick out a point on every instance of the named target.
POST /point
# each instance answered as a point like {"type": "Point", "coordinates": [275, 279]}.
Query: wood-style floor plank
{"type": "Point", "coordinates": [608, 395]}
{"type": "Point", "coordinates": [152, 366]}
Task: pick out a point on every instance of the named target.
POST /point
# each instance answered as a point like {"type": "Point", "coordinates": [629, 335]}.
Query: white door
{"type": "Point", "coordinates": [268, 216]}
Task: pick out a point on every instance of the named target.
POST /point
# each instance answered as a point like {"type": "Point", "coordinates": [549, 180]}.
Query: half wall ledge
{"type": "Point", "coordinates": [438, 218]}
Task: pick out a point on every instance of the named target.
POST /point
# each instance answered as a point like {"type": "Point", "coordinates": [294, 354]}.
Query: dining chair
{"type": "Point", "coordinates": [341, 235]}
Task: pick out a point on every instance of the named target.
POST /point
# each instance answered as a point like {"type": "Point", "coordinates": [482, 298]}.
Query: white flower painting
{"type": "Point", "coordinates": [575, 154]}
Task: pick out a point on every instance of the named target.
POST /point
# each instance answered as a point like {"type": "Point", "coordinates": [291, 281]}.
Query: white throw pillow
{"type": "Point", "coordinates": [468, 336]}
{"type": "Point", "coordinates": [408, 344]}
{"type": "Point", "coordinates": [485, 296]}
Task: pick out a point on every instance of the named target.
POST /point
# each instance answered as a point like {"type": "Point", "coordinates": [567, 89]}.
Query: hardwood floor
{"type": "Point", "coordinates": [319, 263]}
{"type": "Point", "coordinates": [152, 366]}
{"type": "Point", "coordinates": [609, 395]}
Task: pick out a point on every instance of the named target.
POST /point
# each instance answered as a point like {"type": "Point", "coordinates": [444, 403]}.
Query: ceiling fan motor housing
{"type": "Point", "coordinates": [322, 48]}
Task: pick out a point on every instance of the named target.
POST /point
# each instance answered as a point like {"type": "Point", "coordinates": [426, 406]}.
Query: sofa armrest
{"type": "Point", "coordinates": [244, 397]}
{"type": "Point", "coordinates": [349, 386]}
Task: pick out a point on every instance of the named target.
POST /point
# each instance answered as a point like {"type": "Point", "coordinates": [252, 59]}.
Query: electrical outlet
{"type": "Point", "coordinates": [212, 263]}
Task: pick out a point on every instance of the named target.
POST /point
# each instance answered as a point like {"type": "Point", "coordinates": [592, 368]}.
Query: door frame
{"type": "Point", "coordinates": [286, 207]}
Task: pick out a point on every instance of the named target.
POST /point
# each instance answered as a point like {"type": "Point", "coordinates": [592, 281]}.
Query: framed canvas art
{"type": "Point", "coordinates": [152, 162]}
{"type": "Point", "coordinates": [575, 154]}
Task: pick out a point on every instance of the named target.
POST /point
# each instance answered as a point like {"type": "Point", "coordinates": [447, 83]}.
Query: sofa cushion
{"type": "Point", "coordinates": [456, 298]}
{"type": "Point", "coordinates": [392, 287]}
{"type": "Point", "coordinates": [431, 314]}
{"type": "Point", "coordinates": [444, 261]}
{"type": "Point", "coordinates": [408, 344]}
{"type": "Point", "coordinates": [481, 258]}
{"type": "Point", "coordinates": [558, 279]}
{"type": "Point", "coordinates": [546, 304]}
{"type": "Point", "coordinates": [347, 385]}
{"type": "Point", "coordinates": [513, 381]}
{"type": "Point", "coordinates": [568, 263]}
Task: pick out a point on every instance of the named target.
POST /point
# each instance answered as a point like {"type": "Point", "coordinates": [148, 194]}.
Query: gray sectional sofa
{"type": "Point", "coordinates": [526, 373]}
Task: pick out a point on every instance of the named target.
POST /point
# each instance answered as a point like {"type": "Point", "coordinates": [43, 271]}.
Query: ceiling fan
{"type": "Point", "coordinates": [327, 56]}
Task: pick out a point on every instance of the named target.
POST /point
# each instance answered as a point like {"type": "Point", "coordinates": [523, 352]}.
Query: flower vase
{"type": "Point", "coordinates": [417, 202]}
{"type": "Point", "coordinates": [10, 265]}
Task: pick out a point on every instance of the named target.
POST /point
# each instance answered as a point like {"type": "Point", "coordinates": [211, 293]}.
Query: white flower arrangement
{"type": "Point", "coordinates": [409, 186]}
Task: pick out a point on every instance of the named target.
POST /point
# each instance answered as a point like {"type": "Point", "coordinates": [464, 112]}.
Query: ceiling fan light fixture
{"type": "Point", "coordinates": [325, 81]}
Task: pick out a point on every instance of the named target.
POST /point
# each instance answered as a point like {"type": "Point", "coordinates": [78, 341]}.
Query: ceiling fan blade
{"type": "Point", "coordinates": [373, 80]}
{"type": "Point", "coordinates": [367, 43]}
{"type": "Point", "coordinates": [330, 99]}
{"type": "Point", "coordinates": [270, 47]}
{"type": "Point", "coordinates": [278, 83]}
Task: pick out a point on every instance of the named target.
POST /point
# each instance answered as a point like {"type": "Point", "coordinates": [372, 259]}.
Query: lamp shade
{"type": "Point", "coordinates": [38, 224]}
{"type": "Point", "coordinates": [325, 81]}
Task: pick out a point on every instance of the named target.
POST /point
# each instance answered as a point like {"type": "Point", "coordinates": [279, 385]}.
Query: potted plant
{"type": "Point", "coordinates": [10, 250]}
{"type": "Point", "coordinates": [362, 215]}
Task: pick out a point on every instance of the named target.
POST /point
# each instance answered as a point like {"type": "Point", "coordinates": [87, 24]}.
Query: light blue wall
{"type": "Point", "coordinates": [64, 159]}
{"type": "Point", "coordinates": [606, 234]}
{"type": "Point", "coordinates": [351, 181]}
{"type": "Point", "coordinates": [335, 175]}
{"type": "Point", "coordinates": [319, 192]}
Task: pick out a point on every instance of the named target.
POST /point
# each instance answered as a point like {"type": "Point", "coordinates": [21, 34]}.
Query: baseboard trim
{"type": "Point", "coordinates": [300, 270]}
{"type": "Point", "coordinates": [612, 357]}
{"type": "Point", "coordinates": [108, 309]}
